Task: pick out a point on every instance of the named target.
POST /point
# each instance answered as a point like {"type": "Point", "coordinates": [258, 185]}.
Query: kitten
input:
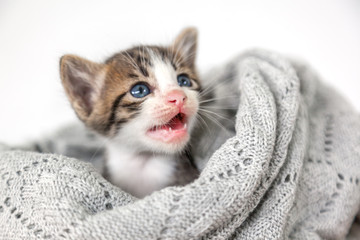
{"type": "Point", "coordinates": [145, 101]}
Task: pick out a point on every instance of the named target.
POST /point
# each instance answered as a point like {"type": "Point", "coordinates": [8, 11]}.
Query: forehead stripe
{"type": "Point", "coordinates": [132, 75]}
{"type": "Point", "coordinates": [143, 71]}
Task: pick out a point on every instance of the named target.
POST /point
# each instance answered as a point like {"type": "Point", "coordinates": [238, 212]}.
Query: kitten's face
{"type": "Point", "coordinates": [145, 97]}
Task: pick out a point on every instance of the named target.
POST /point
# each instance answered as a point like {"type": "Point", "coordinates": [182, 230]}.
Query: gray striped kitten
{"type": "Point", "coordinates": [149, 105]}
{"type": "Point", "coordinates": [145, 101]}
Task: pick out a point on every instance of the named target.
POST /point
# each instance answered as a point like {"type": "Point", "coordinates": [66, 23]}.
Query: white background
{"type": "Point", "coordinates": [35, 34]}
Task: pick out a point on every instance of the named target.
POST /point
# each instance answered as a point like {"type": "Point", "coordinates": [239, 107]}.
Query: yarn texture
{"type": "Point", "coordinates": [291, 171]}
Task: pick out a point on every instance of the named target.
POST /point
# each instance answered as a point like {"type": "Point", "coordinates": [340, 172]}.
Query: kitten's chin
{"type": "Point", "coordinates": [169, 144]}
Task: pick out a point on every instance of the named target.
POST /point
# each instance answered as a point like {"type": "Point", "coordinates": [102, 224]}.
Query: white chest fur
{"type": "Point", "coordinates": [139, 174]}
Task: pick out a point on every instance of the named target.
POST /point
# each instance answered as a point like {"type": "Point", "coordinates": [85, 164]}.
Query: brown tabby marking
{"type": "Point", "coordinates": [147, 149]}
{"type": "Point", "coordinates": [115, 106]}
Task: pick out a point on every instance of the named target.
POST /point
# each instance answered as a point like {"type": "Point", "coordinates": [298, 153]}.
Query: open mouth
{"type": "Point", "coordinates": [173, 131]}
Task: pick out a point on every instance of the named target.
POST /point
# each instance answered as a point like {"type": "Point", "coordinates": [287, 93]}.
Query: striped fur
{"type": "Point", "coordinates": [114, 106]}
{"type": "Point", "coordinates": [100, 95]}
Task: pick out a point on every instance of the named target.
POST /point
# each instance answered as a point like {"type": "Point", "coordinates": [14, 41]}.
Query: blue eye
{"type": "Point", "coordinates": [140, 90]}
{"type": "Point", "coordinates": [184, 80]}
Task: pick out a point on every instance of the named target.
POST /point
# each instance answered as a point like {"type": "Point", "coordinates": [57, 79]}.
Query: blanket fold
{"type": "Point", "coordinates": [292, 171]}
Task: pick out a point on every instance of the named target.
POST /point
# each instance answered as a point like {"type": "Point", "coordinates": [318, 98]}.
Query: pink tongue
{"type": "Point", "coordinates": [163, 133]}
{"type": "Point", "coordinates": [174, 123]}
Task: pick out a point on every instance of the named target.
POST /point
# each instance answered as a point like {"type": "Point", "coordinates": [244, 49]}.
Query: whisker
{"type": "Point", "coordinates": [216, 114]}
{"type": "Point", "coordinates": [135, 65]}
{"type": "Point", "coordinates": [207, 131]}
{"type": "Point", "coordinates": [219, 107]}
{"type": "Point", "coordinates": [215, 84]}
{"type": "Point", "coordinates": [208, 88]}
{"type": "Point", "coordinates": [213, 119]}
{"type": "Point", "coordinates": [219, 98]}
{"type": "Point", "coordinates": [128, 61]}
{"type": "Point", "coordinates": [203, 120]}
{"type": "Point", "coordinates": [187, 57]}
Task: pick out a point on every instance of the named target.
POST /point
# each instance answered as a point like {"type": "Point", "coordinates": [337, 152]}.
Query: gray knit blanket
{"type": "Point", "coordinates": [291, 171]}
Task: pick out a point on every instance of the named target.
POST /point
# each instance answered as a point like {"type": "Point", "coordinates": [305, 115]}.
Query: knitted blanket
{"type": "Point", "coordinates": [292, 171]}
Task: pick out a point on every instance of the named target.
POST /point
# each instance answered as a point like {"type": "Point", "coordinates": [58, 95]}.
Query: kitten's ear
{"type": "Point", "coordinates": [186, 43]}
{"type": "Point", "coordinates": [82, 80]}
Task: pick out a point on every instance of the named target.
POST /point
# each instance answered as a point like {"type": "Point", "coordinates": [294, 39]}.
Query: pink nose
{"type": "Point", "coordinates": [176, 97]}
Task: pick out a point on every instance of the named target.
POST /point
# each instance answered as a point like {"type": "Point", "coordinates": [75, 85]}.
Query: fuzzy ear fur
{"type": "Point", "coordinates": [82, 80]}
{"type": "Point", "coordinates": [186, 43]}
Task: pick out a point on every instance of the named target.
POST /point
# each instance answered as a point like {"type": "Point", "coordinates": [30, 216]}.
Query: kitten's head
{"type": "Point", "coordinates": [146, 97]}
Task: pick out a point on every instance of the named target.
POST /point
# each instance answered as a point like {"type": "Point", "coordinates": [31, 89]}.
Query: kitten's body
{"type": "Point", "coordinates": [143, 173]}
{"type": "Point", "coordinates": [139, 173]}
{"type": "Point", "coordinates": [144, 101]}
